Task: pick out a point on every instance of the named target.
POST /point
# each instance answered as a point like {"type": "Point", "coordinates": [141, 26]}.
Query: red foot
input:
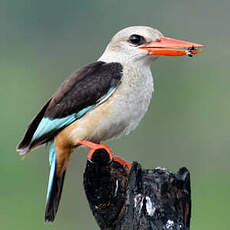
{"type": "Point", "coordinates": [94, 146]}
{"type": "Point", "coordinates": [126, 164]}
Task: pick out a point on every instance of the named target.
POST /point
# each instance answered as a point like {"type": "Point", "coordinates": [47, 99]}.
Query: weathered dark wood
{"type": "Point", "coordinates": [138, 199]}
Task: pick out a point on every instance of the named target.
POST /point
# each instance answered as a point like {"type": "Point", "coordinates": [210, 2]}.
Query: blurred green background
{"type": "Point", "coordinates": [42, 42]}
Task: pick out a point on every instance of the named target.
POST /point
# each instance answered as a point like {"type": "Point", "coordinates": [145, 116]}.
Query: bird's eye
{"type": "Point", "coordinates": [136, 39]}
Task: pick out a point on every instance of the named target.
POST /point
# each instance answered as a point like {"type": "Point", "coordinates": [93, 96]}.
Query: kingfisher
{"type": "Point", "coordinates": [99, 101]}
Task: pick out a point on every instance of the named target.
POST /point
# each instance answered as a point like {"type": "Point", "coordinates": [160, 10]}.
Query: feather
{"type": "Point", "coordinates": [55, 186]}
{"type": "Point", "coordinates": [82, 92]}
{"type": "Point", "coordinates": [47, 125]}
{"type": "Point", "coordinates": [24, 146]}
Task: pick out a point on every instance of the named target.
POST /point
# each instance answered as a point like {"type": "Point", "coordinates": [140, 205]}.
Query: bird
{"type": "Point", "coordinates": [99, 101]}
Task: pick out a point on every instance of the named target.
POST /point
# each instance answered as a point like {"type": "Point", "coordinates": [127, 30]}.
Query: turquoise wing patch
{"type": "Point", "coordinates": [47, 125]}
{"type": "Point", "coordinates": [84, 111]}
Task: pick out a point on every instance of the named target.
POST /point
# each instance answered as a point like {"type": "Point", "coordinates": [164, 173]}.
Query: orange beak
{"type": "Point", "coordinates": [172, 47]}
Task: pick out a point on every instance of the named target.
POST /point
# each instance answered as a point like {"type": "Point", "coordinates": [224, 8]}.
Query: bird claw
{"type": "Point", "coordinates": [93, 147]}
{"type": "Point", "coordinates": [127, 165]}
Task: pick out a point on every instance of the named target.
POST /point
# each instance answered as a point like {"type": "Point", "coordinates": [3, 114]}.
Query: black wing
{"type": "Point", "coordinates": [84, 88]}
{"type": "Point", "coordinates": [81, 90]}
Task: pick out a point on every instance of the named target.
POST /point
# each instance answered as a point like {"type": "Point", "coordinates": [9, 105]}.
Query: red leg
{"type": "Point", "coordinates": [93, 147]}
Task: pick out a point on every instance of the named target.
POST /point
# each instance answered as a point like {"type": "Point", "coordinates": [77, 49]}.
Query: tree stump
{"type": "Point", "coordinates": [136, 199]}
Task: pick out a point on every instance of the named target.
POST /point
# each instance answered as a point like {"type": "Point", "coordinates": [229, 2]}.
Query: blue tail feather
{"type": "Point", "coordinates": [52, 161]}
{"type": "Point", "coordinates": [54, 187]}
{"type": "Point", "coordinates": [48, 125]}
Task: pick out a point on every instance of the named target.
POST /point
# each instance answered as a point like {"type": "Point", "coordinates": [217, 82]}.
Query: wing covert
{"type": "Point", "coordinates": [84, 88]}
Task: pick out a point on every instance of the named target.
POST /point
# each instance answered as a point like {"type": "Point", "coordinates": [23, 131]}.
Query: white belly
{"type": "Point", "coordinates": [123, 111]}
{"type": "Point", "coordinates": [132, 99]}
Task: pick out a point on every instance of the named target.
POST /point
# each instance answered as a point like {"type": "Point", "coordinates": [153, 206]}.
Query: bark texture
{"type": "Point", "coordinates": [138, 199]}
